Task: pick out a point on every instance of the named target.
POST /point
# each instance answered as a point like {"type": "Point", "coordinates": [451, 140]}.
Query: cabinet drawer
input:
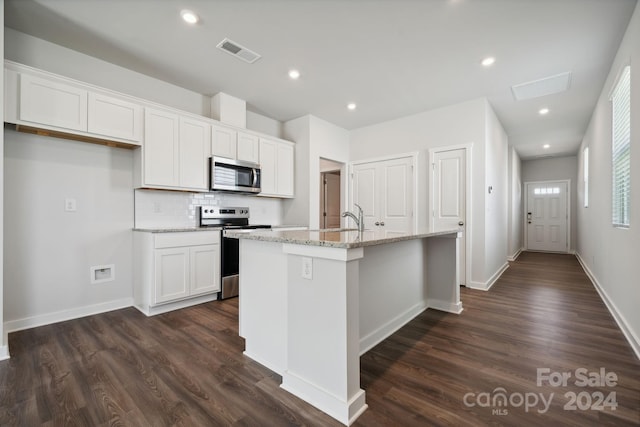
{"type": "Point", "coordinates": [195, 238]}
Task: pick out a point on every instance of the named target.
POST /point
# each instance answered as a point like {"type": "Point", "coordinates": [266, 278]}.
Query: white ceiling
{"type": "Point", "coordinates": [392, 57]}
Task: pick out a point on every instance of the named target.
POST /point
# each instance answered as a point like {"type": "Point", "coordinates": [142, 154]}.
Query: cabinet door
{"type": "Point", "coordinates": [284, 174]}
{"type": "Point", "coordinates": [268, 166]}
{"type": "Point", "coordinates": [171, 274]}
{"type": "Point", "coordinates": [195, 149]}
{"type": "Point", "coordinates": [224, 142]}
{"type": "Point", "coordinates": [384, 191]}
{"type": "Point", "coordinates": [51, 103]}
{"type": "Point", "coordinates": [114, 117]}
{"type": "Point", "coordinates": [396, 210]}
{"type": "Point", "coordinates": [161, 148]}
{"type": "Point", "coordinates": [205, 269]}
{"type": "Point", "coordinates": [248, 147]}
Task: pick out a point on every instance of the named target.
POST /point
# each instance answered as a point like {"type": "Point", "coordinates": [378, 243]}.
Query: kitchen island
{"type": "Point", "coordinates": [311, 302]}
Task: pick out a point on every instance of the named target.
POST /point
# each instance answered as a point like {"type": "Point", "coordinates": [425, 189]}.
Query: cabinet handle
{"type": "Point", "coordinates": [382, 224]}
{"type": "Point", "coordinates": [377, 223]}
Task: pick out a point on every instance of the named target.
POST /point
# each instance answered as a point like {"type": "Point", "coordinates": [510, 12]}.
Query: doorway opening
{"type": "Point", "coordinates": [330, 193]}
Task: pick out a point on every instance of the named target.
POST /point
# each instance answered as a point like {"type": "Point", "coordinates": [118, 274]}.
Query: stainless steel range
{"type": "Point", "coordinates": [228, 218]}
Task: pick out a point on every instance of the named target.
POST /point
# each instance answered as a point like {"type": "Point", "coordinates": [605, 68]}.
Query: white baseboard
{"type": "Point", "coordinates": [446, 306]}
{"type": "Point", "coordinates": [384, 331]}
{"type": "Point", "coordinates": [485, 286]}
{"type": "Point", "coordinates": [4, 352]}
{"type": "Point", "coordinates": [515, 256]}
{"type": "Point", "coordinates": [61, 316]}
{"type": "Point", "coordinates": [628, 333]}
{"type": "Point", "coordinates": [165, 308]}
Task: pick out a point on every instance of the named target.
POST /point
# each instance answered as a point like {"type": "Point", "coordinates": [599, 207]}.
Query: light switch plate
{"type": "Point", "coordinates": [307, 268]}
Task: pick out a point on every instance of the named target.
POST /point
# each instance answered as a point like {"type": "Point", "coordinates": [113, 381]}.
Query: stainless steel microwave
{"type": "Point", "coordinates": [234, 175]}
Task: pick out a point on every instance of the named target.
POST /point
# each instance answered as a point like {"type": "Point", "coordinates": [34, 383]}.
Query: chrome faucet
{"type": "Point", "coordinates": [359, 220]}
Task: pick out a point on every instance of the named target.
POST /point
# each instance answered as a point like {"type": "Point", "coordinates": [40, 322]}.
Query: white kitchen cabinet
{"type": "Point", "coordinates": [114, 117]}
{"type": "Point", "coordinates": [175, 153]}
{"type": "Point", "coordinates": [175, 270]}
{"type": "Point", "coordinates": [248, 147]}
{"type": "Point", "coordinates": [194, 152]}
{"type": "Point", "coordinates": [171, 274]}
{"type": "Point", "coordinates": [224, 142]}
{"type": "Point", "coordinates": [276, 165]}
{"type": "Point", "coordinates": [160, 159]}
{"type": "Point", "coordinates": [52, 103]}
{"type": "Point", "coordinates": [384, 191]}
{"type": "Point", "coordinates": [234, 144]}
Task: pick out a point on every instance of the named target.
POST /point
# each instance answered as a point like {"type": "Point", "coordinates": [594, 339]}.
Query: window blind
{"type": "Point", "coordinates": [621, 149]}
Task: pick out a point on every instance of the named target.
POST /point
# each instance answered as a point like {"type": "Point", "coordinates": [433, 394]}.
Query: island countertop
{"type": "Point", "coordinates": [335, 238]}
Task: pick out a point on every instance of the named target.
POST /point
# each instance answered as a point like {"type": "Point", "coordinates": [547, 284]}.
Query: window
{"type": "Point", "coordinates": [585, 175]}
{"type": "Point", "coordinates": [621, 149]}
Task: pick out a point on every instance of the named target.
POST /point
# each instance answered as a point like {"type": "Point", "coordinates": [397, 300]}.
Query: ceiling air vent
{"type": "Point", "coordinates": [542, 87]}
{"type": "Point", "coordinates": [240, 52]}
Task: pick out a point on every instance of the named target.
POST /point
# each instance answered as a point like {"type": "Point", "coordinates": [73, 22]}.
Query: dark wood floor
{"type": "Point", "coordinates": [185, 368]}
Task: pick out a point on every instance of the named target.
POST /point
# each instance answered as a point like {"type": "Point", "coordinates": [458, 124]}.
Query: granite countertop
{"type": "Point", "coordinates": [176, 230]}
{"type": "Point", "coordinates": [335, 238]}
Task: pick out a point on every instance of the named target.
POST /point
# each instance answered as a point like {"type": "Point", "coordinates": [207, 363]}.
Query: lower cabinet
{"type": "Point", "coordinates": [175, 270]}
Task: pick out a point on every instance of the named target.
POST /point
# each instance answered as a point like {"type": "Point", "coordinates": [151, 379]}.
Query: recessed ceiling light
{"type": "Point", "coordinates": [294, 74]}
{"type": "Point", "coordinates": [189, 17]}
{"type": "Point", "coordinates": [351, 106]}
{"type": "Point", "coordinates": [543, 111]}
{"type": "Point", "coordinates": [545, 146]}
{"type": "Point", "coordinates": [489, 61]}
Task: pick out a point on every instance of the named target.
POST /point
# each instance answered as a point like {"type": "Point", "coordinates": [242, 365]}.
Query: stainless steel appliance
{"type": "Point", "coordinates": [228, 218]}
{"type": "Point", "coordinates": [234, 175]}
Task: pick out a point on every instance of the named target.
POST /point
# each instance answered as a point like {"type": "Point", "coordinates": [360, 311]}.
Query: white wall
{"type": "Point", "coordinates": [516, 241]}
{"type": "Point", "coordinates": [264, 124]}
{"type": "Point", "coordinates": [609, 254]}
{"type": "Point", "coordinates": [497, 201]}
{"type": "Point", "coordinates": [48, 252]}
{"type": "Point", "coordinates": [296, 210]}
{"type": "Point", "coordinates": [471, 122]}
{"type": "Point", "coordinates": [552, 169]}
{"type": "Point", "coordinates": [316, 139]}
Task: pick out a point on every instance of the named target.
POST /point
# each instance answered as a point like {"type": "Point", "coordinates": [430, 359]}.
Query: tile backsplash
{"type": "Point", "coordinates": [175, 209]}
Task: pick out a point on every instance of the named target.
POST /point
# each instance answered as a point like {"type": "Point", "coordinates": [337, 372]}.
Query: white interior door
{"type": "Point", "coordinates": [449, 197]}
{"type": "Point", "coordinates": [365, 192]}
{"type": "Point", "coordinates": [547, 216]}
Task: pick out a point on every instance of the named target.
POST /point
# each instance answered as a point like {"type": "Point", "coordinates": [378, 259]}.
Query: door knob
{"type": "Point", "coordinates": [461, 223]}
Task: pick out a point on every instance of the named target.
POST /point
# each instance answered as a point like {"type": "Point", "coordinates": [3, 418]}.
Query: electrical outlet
{"type": "Point", "coordinates": [70, 205]}
{"type": "Point", "coordinates": [307, 268]}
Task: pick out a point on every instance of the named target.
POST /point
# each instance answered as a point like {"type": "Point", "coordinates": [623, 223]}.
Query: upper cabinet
{"type": "Point", "coordinates": [51, 103]}
{"type": "Point", "coordinates": [37, 99]}
{"type": "Point", "coordinates": [172, 147]}
{"type": "Point", "coordinates": [234, 144]}
{"type": "Point", "coordinates": [175, 152]}
{"type": "Point", "coordinates": [276, 164]}
{"type": "Point", "coordinates": [248, 147]}
{"type": "Point", "coordinates": [224, 142]}
{"type": "Point", "coordinates": [114, 117]}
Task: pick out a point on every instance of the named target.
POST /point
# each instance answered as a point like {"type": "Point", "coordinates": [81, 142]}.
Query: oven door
{"type": "Point", "coordinates": [230, 267]}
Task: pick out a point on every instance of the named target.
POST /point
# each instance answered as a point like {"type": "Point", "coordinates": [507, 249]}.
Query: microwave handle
{"type": "Point", "coordinates": [255, 177]}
